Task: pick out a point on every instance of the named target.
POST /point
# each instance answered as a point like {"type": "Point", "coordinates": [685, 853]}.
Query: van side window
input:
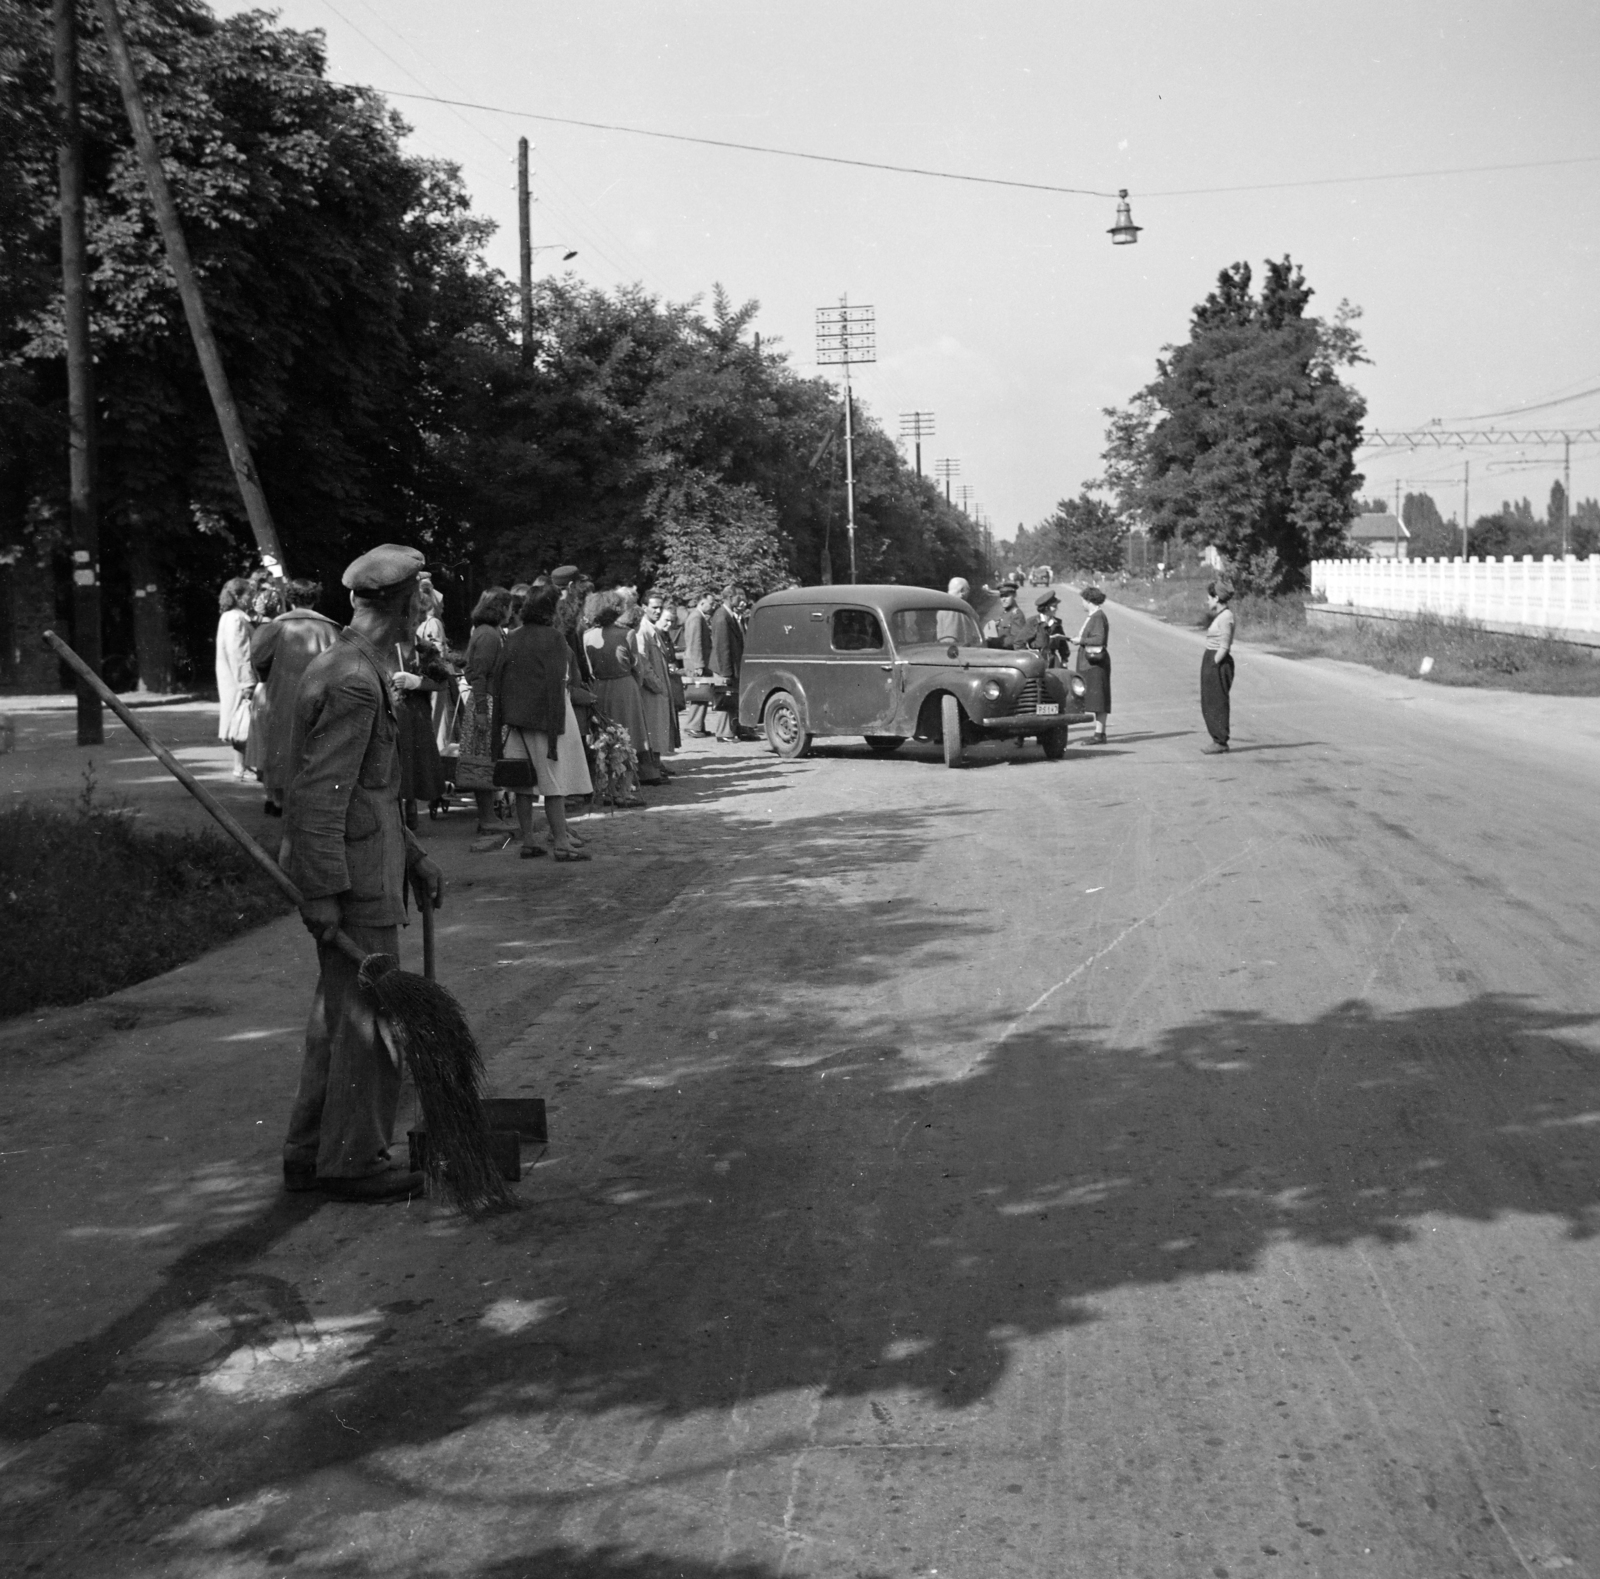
{"type": "Point", "coordinates": [856, 630]}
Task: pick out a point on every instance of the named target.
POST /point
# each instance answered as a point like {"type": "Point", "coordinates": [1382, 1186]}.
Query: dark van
{"type": "Point", "coordinates": [893, 663]}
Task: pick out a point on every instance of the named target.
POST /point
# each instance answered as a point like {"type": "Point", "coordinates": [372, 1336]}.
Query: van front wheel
{"type": "Point", "coordinates": [786, 730]}
{"type": "Point", "coordinates": [950, 722]}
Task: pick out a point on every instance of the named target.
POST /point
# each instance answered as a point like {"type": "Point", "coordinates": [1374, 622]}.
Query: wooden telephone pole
{"type": "Point", "coordinates": [80, 375]}
{"type": "Point", "coordinates": [525, 239]}
{"type": "Point", "coordinates": [194, 307]}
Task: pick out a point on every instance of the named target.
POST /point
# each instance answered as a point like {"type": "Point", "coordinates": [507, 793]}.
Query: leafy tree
{"type": "Point", "coordinates": [1087, 534]}
{"type": "Point", "coordinates": [1556, 512]}
{"type": "Point", "coordinates": [1246, 439]}
{"type": "Point", "coordinates": [709, 533]}
{"type": "Point", "coordinates": [1432, 537]}
{"type": "Point", "coordinates": [1586, 527]}
{"type": "Point", "coordinates": [1513, 529]}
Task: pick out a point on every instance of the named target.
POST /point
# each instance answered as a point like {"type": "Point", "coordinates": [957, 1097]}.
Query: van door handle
{"type": "Point", "coordinates": [888, 668]}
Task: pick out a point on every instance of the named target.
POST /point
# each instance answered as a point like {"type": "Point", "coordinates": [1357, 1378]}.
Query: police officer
{"type": "Point", "coordinates": [1049, 636]}
{"type": "Point", "coordinates": [350, 854]}
{"type": "Point", "coordinates": [1011, 628]}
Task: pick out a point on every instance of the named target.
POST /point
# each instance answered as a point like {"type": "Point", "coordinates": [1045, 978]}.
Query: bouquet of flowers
{"type": "Point", "coordinates": [616, 763]}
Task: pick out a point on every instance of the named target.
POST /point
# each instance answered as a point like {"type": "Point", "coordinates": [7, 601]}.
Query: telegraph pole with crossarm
{"type": "Point", "coordinates": [847, 336]}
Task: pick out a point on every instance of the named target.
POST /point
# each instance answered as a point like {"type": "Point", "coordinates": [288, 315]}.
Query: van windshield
{"type": "Point", "coordinates": [924, 627]}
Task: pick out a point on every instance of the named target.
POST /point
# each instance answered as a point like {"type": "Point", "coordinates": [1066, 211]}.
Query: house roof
{"type": "Point", "coordinates": [1382, 528]}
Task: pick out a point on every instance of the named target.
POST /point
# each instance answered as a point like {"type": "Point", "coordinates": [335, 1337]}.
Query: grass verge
{"type": "Point", "coordinates": [90, 902]}
{"type": "Point", "coordinates": [1463, 653]}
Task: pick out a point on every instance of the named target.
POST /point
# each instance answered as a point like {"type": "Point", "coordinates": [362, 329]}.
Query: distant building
{"type": "Point", "coordinates": [1381, 535]}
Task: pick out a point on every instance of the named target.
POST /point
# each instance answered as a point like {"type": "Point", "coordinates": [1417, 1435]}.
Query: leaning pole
{"type": "Point", "coordinates": [194, 307]}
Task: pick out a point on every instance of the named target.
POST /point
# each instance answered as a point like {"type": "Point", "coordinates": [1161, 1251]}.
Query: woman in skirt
{"type": "Point", "coordinates": [539, 749]}
{"type": "Point", "coordinates": [1216, 668]}
{"type": "Point", "coordinates": [1094, 661]}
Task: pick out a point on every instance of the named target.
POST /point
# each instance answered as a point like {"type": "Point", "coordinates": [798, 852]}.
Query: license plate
{"type": "Point", "coordinates": [1049, 707]}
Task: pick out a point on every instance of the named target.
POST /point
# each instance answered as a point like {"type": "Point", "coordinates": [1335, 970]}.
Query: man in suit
{"type": "Point", "coordinates": [727, 653]}
{"type": "Point", "coordinates": [697, 659]}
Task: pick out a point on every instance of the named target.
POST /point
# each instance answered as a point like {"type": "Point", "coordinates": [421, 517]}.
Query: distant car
{"type": "Point", "coordinates": [893, 663]}
{"type": "Point", "coordinates": [1041, 576]}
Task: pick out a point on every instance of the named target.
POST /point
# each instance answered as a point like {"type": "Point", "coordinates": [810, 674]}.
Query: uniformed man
{"type": "Point", "coordinates": [1011, 628]}
{"type": "Point", "coordinates": [350, 854]}
{"type": "Point", "coordinates": [1049, 635]}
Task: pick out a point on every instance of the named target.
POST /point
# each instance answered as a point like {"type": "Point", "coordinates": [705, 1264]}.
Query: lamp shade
{"type": "Point", "coordinates": [1124, 233]}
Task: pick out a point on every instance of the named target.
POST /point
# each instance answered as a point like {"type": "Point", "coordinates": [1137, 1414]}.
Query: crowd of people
{"type": "Point", "coordinates": [561, 691]}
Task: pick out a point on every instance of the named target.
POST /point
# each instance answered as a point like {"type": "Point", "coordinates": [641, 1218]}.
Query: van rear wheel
{"type": "Point", "coordinates": [950, 723]}
{"type": "Point", "coordinates": [785, 728]}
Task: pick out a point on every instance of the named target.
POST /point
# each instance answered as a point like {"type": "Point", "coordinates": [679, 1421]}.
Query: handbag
{"type": "Point", "coordinates": [702, 693]}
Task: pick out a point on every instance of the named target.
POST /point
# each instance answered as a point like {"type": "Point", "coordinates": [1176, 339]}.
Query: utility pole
{"type": "Point", "coordinates": [525, 237]}
{"type": "Point", "coordinates": [80, 375]}
{"type": "Point", "coordinates": [847, 335]}
{"type": "Point", "coordinates": [916, 426]}
{"type": "Point", "coordinates": [1466, 495]}
{"type": "Point", "coordinates": [1566, 499]}
{"type": "Point", "coordinates": [194, 307]}
{"type": "Point", "coordinates": [1397, 518]}
{"type": "Point", "coordinates": [946, 467]}
{"type": "Point", "coordinates": [964, 498]}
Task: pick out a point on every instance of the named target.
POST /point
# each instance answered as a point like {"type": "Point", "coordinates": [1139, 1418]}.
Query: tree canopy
{"type": "Point", "coordinates": [377, 359]}
{"type": "Point", "coordinates": [1246, 438]}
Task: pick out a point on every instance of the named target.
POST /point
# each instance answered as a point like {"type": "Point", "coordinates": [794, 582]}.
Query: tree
{"type": "Point", "coordinates": [709, 533]}
{"type": "Point", "coordinates": [1432, 537]}
{"type": "Point", "coordinates": [1086, 534]}
{"type": "Point", "coordinates": [1246, 439]}
{"type": "Point", "coordinates": [1556, 513]}
{"type": "Point", "coordinates": [1513, 529]}
{"type": "Point", "coordinates": [1586, 527]}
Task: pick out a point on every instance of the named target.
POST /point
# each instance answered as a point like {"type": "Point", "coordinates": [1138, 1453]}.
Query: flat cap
{"type": "Point", "coordinates": [563, 575]}
{"type": "Point", "coordinates": [388, 565]}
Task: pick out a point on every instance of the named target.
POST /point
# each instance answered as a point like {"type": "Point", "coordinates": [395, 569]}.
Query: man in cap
{"type": "Point", "coordinates": [1010, 628]}
{"type": "Point", "coordinates": [347, 849]}
{"type": "Point", "coordinates": [1049, 636]}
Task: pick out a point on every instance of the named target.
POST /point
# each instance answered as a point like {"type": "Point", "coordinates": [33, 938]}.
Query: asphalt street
{"type": "Point", "coordinates": [1143, 1164]}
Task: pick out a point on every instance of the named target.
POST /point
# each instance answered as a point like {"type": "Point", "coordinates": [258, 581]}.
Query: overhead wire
{"type": "Point", "coordinates": [989, 180]}
{"type": "Point", "coordinates": [622, 272]}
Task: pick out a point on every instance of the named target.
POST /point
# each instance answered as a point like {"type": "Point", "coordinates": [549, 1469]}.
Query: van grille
{"type": "Point", "coordinates": [1027, 698]}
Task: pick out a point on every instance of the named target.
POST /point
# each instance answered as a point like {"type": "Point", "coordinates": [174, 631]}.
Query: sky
{"type": "Point", "coordinates": [1008, 313]}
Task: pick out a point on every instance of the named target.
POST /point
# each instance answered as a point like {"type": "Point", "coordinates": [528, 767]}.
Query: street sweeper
{"type": "Point", "coordinates": [347, 849]}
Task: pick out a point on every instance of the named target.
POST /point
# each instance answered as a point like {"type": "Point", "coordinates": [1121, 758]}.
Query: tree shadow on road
{"type": "Point", "coordinates": [854, 1210]}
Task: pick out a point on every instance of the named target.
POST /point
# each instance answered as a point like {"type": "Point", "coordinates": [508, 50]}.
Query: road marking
{"type": "Point", "coordinates": [1133, 926]}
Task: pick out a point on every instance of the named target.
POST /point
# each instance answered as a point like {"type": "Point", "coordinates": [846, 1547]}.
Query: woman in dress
{"type": "Point", "coordinates": [1216, 668]}
{"type": "Point", "coordinates": [1094, 661]}
{"type": "Point", "coordinates": [430, 633]}
{"type": "Point", "coordinates": [236, 680]}
{"type": "Point", "coordinates": [474, 767]}
{"type": "Point", "coordinates": [538, 749]}
{"type": "Point", "coordinates": [613, 667]}
{"type": "Point", "coordinates": [421, 768]}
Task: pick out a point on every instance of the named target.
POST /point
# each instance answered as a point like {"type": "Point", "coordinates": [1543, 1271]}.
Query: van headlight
{"type": "Point", "coordinates": [1076, 686]}
{"type": "Point", "coordinates": [991, 690]}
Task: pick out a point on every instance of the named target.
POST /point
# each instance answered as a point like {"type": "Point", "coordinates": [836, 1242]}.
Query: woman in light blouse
{"type": "Point", "coordinates": [1216, 667]}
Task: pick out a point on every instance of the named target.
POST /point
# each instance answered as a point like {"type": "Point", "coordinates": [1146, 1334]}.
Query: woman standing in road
{"type": "Point", "coordinates": [1094, 661]}
{"type": "Point", "coordinates": [236, 680]}
{"type": "Point", "coordinates": [1216, 667]}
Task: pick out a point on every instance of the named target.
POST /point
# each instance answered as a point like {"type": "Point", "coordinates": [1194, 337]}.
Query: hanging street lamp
{"type": "Point", "coordinates": [1124, 233]}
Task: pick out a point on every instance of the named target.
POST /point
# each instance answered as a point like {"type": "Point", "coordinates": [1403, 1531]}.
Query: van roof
{"type": "Point", "coordinates": [887, 597]}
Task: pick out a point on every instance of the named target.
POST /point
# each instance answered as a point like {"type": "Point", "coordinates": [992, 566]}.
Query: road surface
{"type": "Point", "coordinates": [1143, 1164]}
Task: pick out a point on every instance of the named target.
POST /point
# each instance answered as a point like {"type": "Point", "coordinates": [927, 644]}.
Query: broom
{"type": "Point", "coordinates": [421, 1021]}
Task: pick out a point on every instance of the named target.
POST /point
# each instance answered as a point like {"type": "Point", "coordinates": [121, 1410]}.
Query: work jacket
{"type": "Point", "coordinates": [344, 836]}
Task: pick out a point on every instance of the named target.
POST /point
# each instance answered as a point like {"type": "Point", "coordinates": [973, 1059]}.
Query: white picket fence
{"type": "Point", "coordinates": [1530, 595]}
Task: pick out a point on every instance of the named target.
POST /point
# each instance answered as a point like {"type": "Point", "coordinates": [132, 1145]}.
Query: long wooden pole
{"type": "Point", "coordinates": [525, 249]}
{"type": "Point", "coordinates": [194, 307]}
{"type": "Point", "coordinates": [80, 374]}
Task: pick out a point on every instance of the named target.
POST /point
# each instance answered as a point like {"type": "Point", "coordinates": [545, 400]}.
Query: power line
{"type": "Point", "coordinates": [753, 148]}
{"type": "Point", "coordinates": [1537, 405]}
{"type": "Point", "coordinates": [1394, 175]}
{"type": "Point", "coordinates": [988, 180]}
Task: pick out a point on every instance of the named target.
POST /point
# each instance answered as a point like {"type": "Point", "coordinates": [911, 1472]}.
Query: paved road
{"type": "Point", "coordinates": [1144, 1164]}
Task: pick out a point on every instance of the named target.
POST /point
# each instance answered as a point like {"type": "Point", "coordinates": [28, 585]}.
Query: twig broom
{"type": "Point", "coordinates": [422, 1021]}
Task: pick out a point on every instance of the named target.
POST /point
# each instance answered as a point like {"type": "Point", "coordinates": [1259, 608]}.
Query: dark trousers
{"type": "Point", "coordinates": [1216, 680]}
{"type": "Point", "coordinates": [349, 1092]}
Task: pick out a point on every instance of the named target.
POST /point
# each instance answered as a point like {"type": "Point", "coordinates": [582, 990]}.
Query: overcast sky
{"type": "Point", "coordinates": [1008, 313]}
